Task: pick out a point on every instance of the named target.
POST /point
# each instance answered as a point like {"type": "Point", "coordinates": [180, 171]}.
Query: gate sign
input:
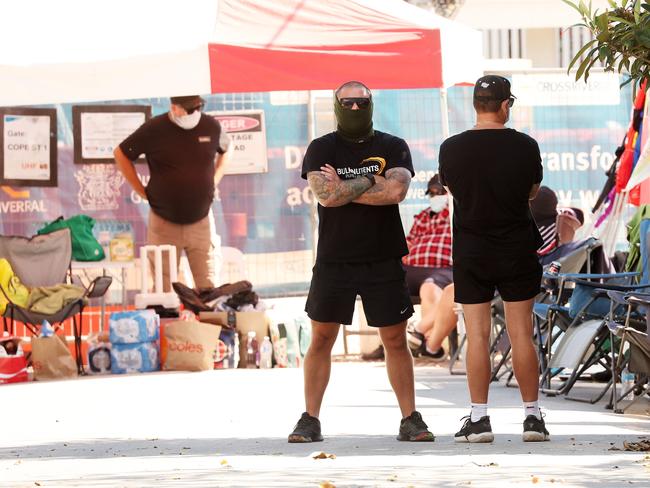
{"type": "Point", "coordinates": [28, 152]}
{"type": "Point", "coordinates": [247, 138]}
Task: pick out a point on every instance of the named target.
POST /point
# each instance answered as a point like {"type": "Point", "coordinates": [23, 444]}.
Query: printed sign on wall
{"type": "Point", "coordinates": [28, 147]}
{"type": "Point", "coordinates": [98, 129]}
{"type": "Point", "coordinates": [248, 140]}
{"type": "Point", "coordinates": [555, 89]}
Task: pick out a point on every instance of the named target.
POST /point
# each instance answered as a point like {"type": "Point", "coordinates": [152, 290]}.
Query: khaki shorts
{"type": "Point", "coordinates": [200, 242]}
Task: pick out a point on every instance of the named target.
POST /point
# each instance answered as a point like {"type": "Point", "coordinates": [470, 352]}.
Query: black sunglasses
{"type": "Point", "coordinates": [349, 102]}
{"type": "Point", "coordinates": [511, 101]}
{"type": "Point", "coordinates": [193, 109]}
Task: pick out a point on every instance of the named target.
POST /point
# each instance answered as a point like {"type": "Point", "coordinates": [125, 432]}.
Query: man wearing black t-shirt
{"type": "Point", "coordinates": [492, 172]}
{"type": "Point", "coordinates": [186, 154]}
{"type": "Point", "coordinates": [359, 176]}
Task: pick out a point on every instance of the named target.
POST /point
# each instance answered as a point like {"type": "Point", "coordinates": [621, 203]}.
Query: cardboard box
{"type": "Point", "coordinates": [243, 322]}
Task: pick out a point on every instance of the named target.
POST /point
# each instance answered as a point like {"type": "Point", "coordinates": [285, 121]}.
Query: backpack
{"type": "Point", "coordinates": [84, 245]}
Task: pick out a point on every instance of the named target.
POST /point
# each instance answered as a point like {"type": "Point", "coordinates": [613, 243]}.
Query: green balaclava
{"type": "Point", "coordinates": [353, 125]}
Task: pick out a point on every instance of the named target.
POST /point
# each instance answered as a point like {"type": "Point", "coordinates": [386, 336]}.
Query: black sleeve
{"type": "Point", "coordinates": [318, 154]}
{"type": "Point", "coordinates": [399, 156]}
{"type": "Point", "coordinates": [538, 170]}
{"type": "Point", "coordinates": [137, 143]}
{"type": "Point", "coordinates": [442, 154]}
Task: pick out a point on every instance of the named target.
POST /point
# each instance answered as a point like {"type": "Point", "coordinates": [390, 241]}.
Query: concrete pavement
{"type": "Point", "coordinates": [229, 428]}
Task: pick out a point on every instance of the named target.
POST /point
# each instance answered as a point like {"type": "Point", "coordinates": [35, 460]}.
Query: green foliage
{"type": "Point", "coordinates": [621, 38]}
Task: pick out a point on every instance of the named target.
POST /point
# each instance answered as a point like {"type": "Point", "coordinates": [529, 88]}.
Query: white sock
{"type": "Point", "coordinates": [479, 410]}
{"type": "Point", "coordinates": [532, 408]}
{"type": "Point", "coordinates": [430, 351]}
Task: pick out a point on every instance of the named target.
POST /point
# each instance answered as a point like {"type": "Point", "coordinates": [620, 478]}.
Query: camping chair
{"type": "Point", "coordinates": [634, 348]}
{"type": "Point", "coordinates": [586, 340]}
{"type": "Point", "coordinates": [44, 260]}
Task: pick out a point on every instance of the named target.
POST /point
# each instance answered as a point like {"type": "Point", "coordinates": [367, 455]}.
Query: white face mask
{"type": "Point", "coordinates": [438, 203]}
{"type": "Point", "coordinates": [187, 122]}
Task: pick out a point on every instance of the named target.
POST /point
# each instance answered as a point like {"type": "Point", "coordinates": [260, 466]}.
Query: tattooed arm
{"type": "Point", "coordinates": [389, 190]}
{"type": "Point", "coordinates": [331, 191]}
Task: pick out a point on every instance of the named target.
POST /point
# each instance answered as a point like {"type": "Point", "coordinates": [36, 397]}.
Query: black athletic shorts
{"type": "Point", "coordinates": [516, 278]}
{"type": "Point", "coordinates": [416, 275]}
{"type": "Point", "coordinates": [381, 286]}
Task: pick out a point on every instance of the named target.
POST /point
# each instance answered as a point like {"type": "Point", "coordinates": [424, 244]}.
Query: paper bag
{"type": "Point", "coordinates": [243, 322]}
{"type": "Point", "coordinates": [51, 358]}
{"type": "Point", "coordinates": [189, 345]}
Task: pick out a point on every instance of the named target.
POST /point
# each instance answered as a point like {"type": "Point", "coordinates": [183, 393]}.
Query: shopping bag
{"type": "Point", "coordinates": [84, 245]}
{"type": "Point", "coordinates": [13, 365]}
{"type": "Point", "coordinates": [189, 345]}
{"type": "Point", "coordinates": [51, 358]}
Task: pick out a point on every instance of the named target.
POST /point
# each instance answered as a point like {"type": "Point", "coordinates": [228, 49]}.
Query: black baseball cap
{"type": "Point", "coordinates": [492, 87]}
{"type": "Point", "coordinates": [434, 184]}
{"type": "Point", "coordinates": [188, 102]}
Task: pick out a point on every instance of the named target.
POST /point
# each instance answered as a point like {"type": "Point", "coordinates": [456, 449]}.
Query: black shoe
{"type": "Point", "coordinates": [437, 356]}
{"type": "Point", "coordinates": [306, 430]}
{"type": "Point", "coordinates": [479, 431]}
{"type": "Point", "coordinates": [376, 355]}
{"type": "Point", "coordinates": [413, 429]}
{"type": "Point", "coordinates": [415, 339]}
{"type": "Point", "coordinates": [535, 430]}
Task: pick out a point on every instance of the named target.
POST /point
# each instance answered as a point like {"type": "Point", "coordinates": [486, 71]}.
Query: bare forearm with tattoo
{"type": "Point", "coordinates": [336, 193]}
{"type": "Point", "coordinates": [389, 190]}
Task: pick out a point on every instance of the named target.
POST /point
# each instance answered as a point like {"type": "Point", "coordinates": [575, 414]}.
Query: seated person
{"type": "Point", "coordinates": [557, 225]}
{"type": "Point", "coordinates": [428, 264]}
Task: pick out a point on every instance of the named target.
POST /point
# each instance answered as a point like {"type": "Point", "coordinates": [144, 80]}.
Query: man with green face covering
{"type": "Point", "coordinates": [359, 175]}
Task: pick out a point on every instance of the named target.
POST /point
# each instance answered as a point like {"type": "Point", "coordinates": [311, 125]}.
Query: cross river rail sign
{"type": "Point", "coordinates": [247, 138]}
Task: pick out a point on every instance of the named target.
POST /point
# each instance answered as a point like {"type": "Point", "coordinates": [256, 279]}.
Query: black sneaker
{"type": "Point", "coordinates": [413, 429]}
{"type": "Point", "coordinates": [535, 430]}
{"type": "Point", "coordinates": [376, 355]}
{"type": "Point", "coordinates": [415, 339]}
{"type": "Point", "coordinates": [437, 356]}
{"type": "Point", "coordinates": [479, 431]}
{"type": "Point", "coordinates": [306, 430]}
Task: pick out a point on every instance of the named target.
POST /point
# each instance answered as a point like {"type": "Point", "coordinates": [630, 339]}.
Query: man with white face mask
{"type": "Point", "coordinates": [186, 151]}
{"type": "Point", "coordinates": [428, 265]}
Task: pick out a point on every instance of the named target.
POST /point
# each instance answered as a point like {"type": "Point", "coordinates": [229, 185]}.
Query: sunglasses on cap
{"type": "Point", "coordinates": [362, 102]}
{"type": "Point", "coordinates": [194, 109]}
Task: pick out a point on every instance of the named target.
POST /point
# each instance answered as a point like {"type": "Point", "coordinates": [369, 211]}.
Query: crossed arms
{"type": "Point", "coordinates": [332, 191]}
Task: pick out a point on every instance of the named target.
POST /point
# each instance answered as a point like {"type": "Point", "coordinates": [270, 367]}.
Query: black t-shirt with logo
{"type": "Point", "coordinates": [181, 165]}
{"type": "Point", "coordinates": [490, 174]}
{"type": "Point", "coordinates": [355, 232]}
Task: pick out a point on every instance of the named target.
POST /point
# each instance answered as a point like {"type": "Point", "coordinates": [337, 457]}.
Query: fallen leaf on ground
{"type": "Point", "coordinates": [489, 465]}
{"type": "Point", "coordinates": [224, 462]}
{"type": "Point", "coordinates": [326, 484]}
{"type": "Point", "coordinates": [392, 477]}
{"type": "Point", "coordinates": [534, 479]}
{"type": "Point", "coordinates": [323, 455]}
{"type": "Point", "coordinates": [37, 483]}
{"type": "Point", "coordinates": [642, 445]}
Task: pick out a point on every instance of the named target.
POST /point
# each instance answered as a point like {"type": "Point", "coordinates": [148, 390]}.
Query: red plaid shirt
{"type": "Point", "coordinates": [429, 240]}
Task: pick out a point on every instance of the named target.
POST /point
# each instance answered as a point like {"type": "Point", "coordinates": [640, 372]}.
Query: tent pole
{"type": "Point", "coordinates": [444, 113]}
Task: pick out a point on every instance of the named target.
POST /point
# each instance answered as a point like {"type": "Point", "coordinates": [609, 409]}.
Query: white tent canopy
{"type": "Point", "coordinates": [80, 50]}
